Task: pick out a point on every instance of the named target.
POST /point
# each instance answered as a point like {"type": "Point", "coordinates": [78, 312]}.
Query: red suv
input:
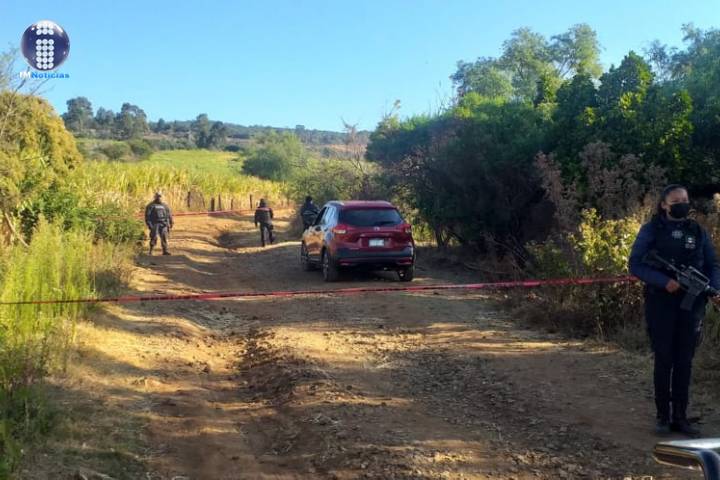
{"type": "Point", "coordinates": [372, 235]}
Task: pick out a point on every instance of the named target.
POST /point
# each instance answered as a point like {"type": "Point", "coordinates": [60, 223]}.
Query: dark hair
{"type": "Point", "coordinates": [659, 212]}
{"type": "Point", "coordinates": [308, 199]}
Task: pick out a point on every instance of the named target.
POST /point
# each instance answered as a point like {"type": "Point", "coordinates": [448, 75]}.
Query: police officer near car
{"type": "Point", "coordinates": [158, 219]}
{"type": "Point", "coordinates": [308, 212]}
{"type": "Point", "coordinates": [674, 332]}
{"type": "Point", "coordinates": [264, 217]}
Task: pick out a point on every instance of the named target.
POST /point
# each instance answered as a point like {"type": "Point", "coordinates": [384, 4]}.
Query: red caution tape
{"type": "Point", "coordinates": [341, 291]}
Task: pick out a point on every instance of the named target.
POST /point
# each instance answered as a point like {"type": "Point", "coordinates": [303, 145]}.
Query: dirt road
{"type": "Point", "coordinates": [383, 386]}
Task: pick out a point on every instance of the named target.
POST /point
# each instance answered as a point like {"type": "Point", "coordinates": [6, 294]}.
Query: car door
{"type": "Point", "coordinates": [314, 237]}
{"type": "Point", "coordinates": [328, 223]}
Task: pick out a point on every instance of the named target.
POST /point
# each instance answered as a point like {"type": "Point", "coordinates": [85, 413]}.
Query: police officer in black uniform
{"type": "Point", "coordinates": [158, 219]}
{"type": "Point", "coordinates": [308, 212]}
{"type": "Point", "coordinates": [674, 333]}
{"type": "Point", "coordinates": [264, 216]}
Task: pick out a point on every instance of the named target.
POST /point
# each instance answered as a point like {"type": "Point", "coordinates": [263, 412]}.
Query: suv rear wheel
{"type": "Point", "coordinates": [407, 274]}
{"type": "Point", "coordinates": [329, 268]}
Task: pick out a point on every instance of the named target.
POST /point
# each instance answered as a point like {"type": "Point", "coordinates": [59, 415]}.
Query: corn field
{"type": "Point", "coordinates": [132, 185]}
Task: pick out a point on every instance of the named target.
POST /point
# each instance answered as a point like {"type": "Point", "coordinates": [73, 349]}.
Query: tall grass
{"type": "Point", "coordinates": [132, 185]}
{"type": "Point", "coordinates": [34, 339]}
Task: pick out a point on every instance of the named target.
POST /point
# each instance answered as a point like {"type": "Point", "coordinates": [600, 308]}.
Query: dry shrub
{"type": "Point", "coordinates": [598, 215]}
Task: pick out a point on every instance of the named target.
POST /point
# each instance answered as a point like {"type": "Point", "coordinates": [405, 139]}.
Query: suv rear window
{"type": "Point", "coordinates": [370, 217]}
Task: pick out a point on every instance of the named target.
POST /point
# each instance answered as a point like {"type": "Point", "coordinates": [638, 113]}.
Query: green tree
{"type": "Point", "coordinates": [485, 77]}
{"type": "Point", "coordinates": [468, 172]}
{"type": "Point", "coordinates": [531, 68]}
{"type": "Point", "coordinates": [667, 131]}
{"type": "Point", "coordinates": [217, 135]}
{"type": "Point", "coordinates": [660, 57]}
{"type": "Point", "coordinates": [697, 70]}
{"type": "Point", "coordinates": [201, 131]}
{"type": "Point", "coordinates": [275, 156]}
{"type": "Point", "coordinates": [629, 113]}
{"type": "Point", "coordinates": [573, 122]}
{"type": "Point", "coordinates": [626, 84]}
{"type": "Point", "coordinates": [79, 115]}
{"type": "Point", "coordinates": [161, 126]}
{"type": "Point", "coordinates": [131, 121]}
{"type": "Point", "coordinates": [527, 57]}
{"type": "Point", "coordinates": [105, 120]}
{"type": "Point", "coordinates": [577, 51]}
{"type": "Point", "coordinates": [621, 98]}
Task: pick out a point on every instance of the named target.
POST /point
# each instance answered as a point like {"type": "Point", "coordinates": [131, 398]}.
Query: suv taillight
{"type": "Point", "coordinates": [340, 230]}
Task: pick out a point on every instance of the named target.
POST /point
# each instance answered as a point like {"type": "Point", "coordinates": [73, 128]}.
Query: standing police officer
{"type": "Point", "coordinates": [158, 219]}
{"type": "Point", "coordinates": [674, 333]}
{"type": "Point", "coordinates": [264, 216]}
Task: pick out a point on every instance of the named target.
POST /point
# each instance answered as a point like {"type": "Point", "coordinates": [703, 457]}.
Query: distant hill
{"type": "Point", "coordinates": [242, 132]}
{"type": "Point", "coordinates": [325, 143]}
{"type": "Point", "coordinates": [131, 123]}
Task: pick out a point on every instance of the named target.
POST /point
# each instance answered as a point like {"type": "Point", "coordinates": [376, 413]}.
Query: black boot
{"type": "Point", "coordinates": [680, 423]}
{"type": "Point", "coordinates": [662, 422]}
{"type": "Point", "coordinates": [165, 252]}
{"type": "Point", "coordinates": [662, 426]}
{"type": "Point", "coordinates": [684, 427]}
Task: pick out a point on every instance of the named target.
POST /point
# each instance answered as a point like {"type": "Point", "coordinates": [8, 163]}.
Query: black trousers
{"type": "Point", "coordinates": [266, 227]}
{"type": "Point", "coordinates": [674, 334]}
{"type": "Point", "coordinates": [159, 230]}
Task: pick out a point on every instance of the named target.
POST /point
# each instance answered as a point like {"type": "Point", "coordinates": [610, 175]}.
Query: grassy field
{"type": "Point", "coordinates": [207, 174]}
{"type": "Point", "coordinates": [198, 161]}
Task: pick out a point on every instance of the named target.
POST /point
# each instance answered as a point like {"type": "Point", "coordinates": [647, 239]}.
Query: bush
{"type": "Point", "coordinates": [112, 223]}
{"type": "Point", "coordinates": [468, 171]}
{"type": "Point", "coordinates": [108, 221]}
{"type": "Point", "coordinates": [325, 180]}
{"type": "Point", "coordinates": [116, 150]}
{"type": "Point", "coordinates": [140, 148]}
{"type": "Point", "coordinates": [604, 245]}
{"type": "Point", "coordinates": [169, 143]}
{"type": "Point", "coordinates": [549, 260]}
{"type": "Point", "coordinates": [599, 248]}
{"type": "Point", "coordinates": [275, 156]}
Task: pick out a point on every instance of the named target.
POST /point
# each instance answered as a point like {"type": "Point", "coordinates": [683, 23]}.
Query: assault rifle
{"type": "Point", "coordinates": [691, 280]}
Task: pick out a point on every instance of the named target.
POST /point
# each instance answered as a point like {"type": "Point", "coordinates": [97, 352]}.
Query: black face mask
{"type": "Point", "coordinates": [679, 210]}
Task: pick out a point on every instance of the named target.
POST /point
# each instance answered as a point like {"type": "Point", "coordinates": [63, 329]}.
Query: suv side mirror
{"type": "Point", "coordinates": [699, 454]}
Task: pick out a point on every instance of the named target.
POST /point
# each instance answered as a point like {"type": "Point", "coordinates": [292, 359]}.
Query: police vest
{"type": "Point", "coordinates": [263, 215]}
{"type": "Point", "coordinates": [680, 243]}
{"type": "Point", "coordinates": [158, 213]}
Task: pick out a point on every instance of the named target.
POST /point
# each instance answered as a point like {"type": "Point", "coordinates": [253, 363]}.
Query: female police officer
{"type": "Point", "coordinates": [674, 332]}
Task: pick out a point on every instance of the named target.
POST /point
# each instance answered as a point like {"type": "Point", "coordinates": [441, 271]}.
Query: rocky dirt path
{"type": "Point", "coordinates": [383, 386]}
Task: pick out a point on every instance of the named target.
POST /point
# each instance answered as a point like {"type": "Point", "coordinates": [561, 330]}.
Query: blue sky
{"type": "Point", "coordinates": [311, 62]}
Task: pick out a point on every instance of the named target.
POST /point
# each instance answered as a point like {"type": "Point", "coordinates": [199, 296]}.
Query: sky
{"type": "Point", "coordinates": [311, 62]}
